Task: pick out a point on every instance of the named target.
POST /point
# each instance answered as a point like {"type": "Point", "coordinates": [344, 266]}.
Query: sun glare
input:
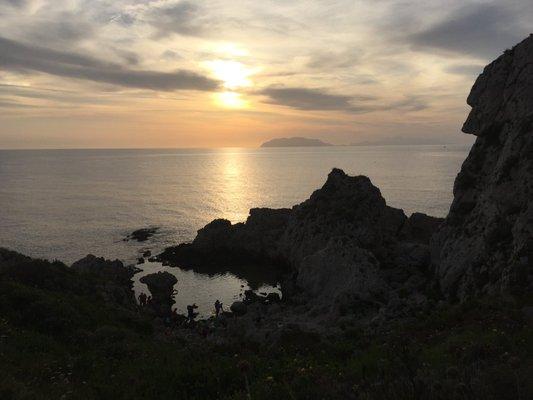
{"type": "Point", "coordinates": [233, 74]}
{"type": "Point", "coordinates": [230, 100]}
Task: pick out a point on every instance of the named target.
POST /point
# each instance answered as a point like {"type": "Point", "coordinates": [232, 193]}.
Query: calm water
{"type": "Point", "coordinates": [65, 204]}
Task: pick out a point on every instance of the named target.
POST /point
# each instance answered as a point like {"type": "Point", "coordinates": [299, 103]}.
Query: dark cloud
{"type": "Point", "coordinates": [320, 100]}
{"type": "Point", "coordinates": [310, 99]}
{"type": "Point", "coordinates": [26, 58]}
{"type": "Point", "coordinates": [482, 30]}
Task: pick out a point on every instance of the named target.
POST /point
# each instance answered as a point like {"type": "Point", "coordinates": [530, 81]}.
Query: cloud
{"type": "Point", "coordinates": [22, 57]}
{"type": "Point", "coordinates": [331, 60]}
{"type": "Point", "coordinates": [63, 28]}
{"type": "Point", "coordinates": [12, 104]}
{"type": "Point", "coordinates": [179, 18]}
{"type": "Point", "coordinates": [310, 99]}
{"type": "Point", "coordinates": [482, 30]}
{"type": "Point", "coordinates": [184, 18]}
{"type": "Point", "coordinates": [321, 100]}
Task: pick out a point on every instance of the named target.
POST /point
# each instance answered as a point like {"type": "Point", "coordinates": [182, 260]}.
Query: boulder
{"type": "Point", "coordinates": [480, 246]}
{"type": "Point", "coordinates": [161, 286]}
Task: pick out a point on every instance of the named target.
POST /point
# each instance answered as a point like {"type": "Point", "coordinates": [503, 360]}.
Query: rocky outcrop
{"type": "Point", "coordinates": [342, 248]}
{"type": "Point", "coordinates": [161, 286]}
{"type": "Point", "coordinates": [485, 245]}
{"type": "Point", "coordinates": [220, 243]}
{"type": "Point", "coordinates": [142, 235]}
{"type": "Point", "coordinates": [112, 278]}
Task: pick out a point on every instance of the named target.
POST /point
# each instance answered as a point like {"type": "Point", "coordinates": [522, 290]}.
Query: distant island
{"type": "Point", "coordinates": [295, 142]}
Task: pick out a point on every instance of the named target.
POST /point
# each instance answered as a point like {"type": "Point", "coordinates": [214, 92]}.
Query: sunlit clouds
{"type": "Point", "coordinates": [182, 73]}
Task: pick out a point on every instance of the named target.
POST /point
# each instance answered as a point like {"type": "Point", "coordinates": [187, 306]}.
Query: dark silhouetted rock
{"type": "Point", "coordinates": [220, 244]}
{"type": "Point", "coordinates": [114, 279]}
{"type": "Point", "coordinates": [161, 286]}
{"type": "Point", "coordinates": [484, 245]}
{"type": "Point", "coordinates": [142, 235]}
{"type": "Point", "coordinates": [420, 227]}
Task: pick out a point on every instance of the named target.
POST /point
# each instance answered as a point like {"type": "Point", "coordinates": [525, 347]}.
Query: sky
{"type": "Point", "coordinates": [219, 73]}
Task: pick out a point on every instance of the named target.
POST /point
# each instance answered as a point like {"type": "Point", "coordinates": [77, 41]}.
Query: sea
{"type": "Point", "coordinates": [65, 204]}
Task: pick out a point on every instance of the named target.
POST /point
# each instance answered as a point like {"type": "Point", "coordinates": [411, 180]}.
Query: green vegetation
{"type": "Point", "coordinates": [58, 340]}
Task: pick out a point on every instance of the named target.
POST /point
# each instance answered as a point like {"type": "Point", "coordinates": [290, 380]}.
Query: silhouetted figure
{"type": "Point", "coordinates": [142, 299]}
{"type": "Point", "coordinates": [191, 315]}
{"type": "Point", "coordinates": [218, 307]}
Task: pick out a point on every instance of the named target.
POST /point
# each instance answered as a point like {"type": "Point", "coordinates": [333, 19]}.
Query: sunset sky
{"type": "Point", "coordinates": [171, 73]}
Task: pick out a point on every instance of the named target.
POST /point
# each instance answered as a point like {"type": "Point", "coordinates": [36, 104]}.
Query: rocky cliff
{"type": "Point", "coordinates": [486, 243]}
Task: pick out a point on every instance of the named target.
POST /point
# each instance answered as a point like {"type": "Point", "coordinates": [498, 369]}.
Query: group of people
{"type": "Point", "coordinates": [174, 318]}
{"type": "Point", "coordinates": [144, 300]}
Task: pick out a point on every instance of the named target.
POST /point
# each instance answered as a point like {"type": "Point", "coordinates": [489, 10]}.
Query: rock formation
{"type": "Point", "coordinates": [220, 242]}
{"type": "Point", "coordinates": [161, 286]}
{"type": "Point", "coordinates": [342, 248]}
{"type": "Point", "coordinates": [114, 279]}
{"type": "Point", "coordinates": [142, 235]}
{"type": "Point", "coordinates": [486, 243]}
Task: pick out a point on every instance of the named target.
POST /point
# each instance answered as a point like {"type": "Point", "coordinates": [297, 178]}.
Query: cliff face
{"type": "Point", "coordinates": [486, 242]}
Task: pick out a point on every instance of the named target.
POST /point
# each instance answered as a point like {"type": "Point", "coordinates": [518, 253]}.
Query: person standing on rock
{"type": "Point", "coordinates": [190, 312]}
{"type": "Point", "coordinates": [142, 299]}
{"type": "Point", "coordinates": [218, 308]}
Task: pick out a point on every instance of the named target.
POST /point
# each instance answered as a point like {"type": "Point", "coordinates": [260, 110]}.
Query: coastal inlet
{"type": "Point", "coordinates": [204, 289]}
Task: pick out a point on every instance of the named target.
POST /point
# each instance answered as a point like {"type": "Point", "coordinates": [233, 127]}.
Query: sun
{"type": "Point", "coordinates": [233, 74]}
{"type": "Point", "coordinates": [230, 100]}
